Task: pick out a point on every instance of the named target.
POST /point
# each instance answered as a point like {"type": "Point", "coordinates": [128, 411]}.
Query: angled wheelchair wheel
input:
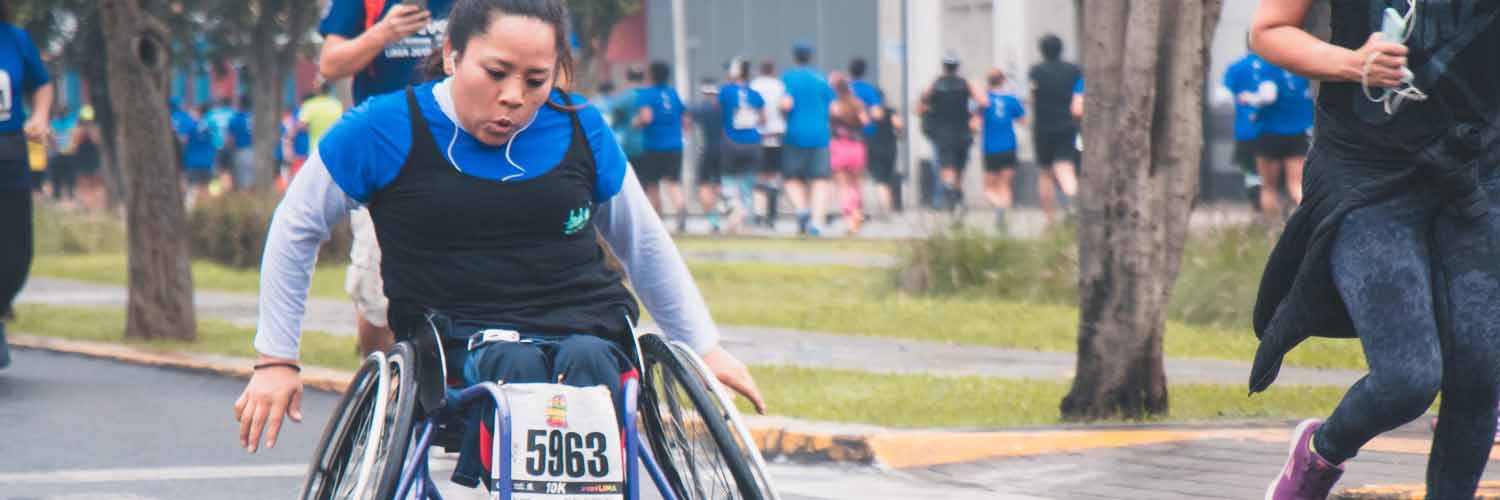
{"type": "Point", "coordinates": [364, 443]}
{"type": "Point", "coordinates": [689, 431]}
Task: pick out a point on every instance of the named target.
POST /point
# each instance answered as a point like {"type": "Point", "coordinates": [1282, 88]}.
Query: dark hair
{"type": "Point", "coordinates": [608, 87]}
{"type": "Point", "coordinates": [767, 68]}
{"type": "Point", "coordinates": [225, 102]}
{"type": "Point", "coordinates": [245, 102]}
{"type": "Point", "coordinates": [4, 11]}
{"type": "Point", "coordinates": [1051, 47]}
{"type": "Point", "coordinates": [802, 56]}
{"type": "Point", "coordinates": [950, 68]}
{"type": "Point", "coordinates": [660, 73]}
{"type": "Point", "coordinates": [469, 18]}
{"type": "Point", "coordinates": [744, 70]}
{"type": "Point", "coordinates": [633, 74]}
{"type": "Point", "coordinates": [857, 67]}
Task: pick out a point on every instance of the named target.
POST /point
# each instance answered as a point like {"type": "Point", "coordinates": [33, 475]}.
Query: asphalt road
{"type": "Point", "coordinates": [77, 428]}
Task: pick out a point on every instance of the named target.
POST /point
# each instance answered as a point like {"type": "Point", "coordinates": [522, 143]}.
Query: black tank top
{"type": "Point", "coordinates": [1453, 50]}
{"type": "Point", "coordinates": [520, 254]}
{"type": "Point", "coordinates": [950, 106]}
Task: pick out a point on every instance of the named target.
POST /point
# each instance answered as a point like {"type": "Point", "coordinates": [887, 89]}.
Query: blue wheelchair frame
{"type": "Point", "coordinates": [416, 479]}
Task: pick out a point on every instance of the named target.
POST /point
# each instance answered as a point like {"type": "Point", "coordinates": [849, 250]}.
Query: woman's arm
{"type": "Point", "coordinates": [1276, 34]}
{"type": "Point", "coordinates": [313, 204]}
{"type": "Point", "coordinates": [660, 278]}
{"type": "Point", "coordinates": [342, 57]}
{"type": "Point", "coordinates": [38, 125]}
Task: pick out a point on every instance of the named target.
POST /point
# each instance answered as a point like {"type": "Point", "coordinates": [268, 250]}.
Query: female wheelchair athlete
{"type": "Point", "coordinates": [400, 403]}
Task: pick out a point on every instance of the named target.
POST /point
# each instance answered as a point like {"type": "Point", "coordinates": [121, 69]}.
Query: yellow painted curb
{"type": "Point", "coordinates": [1488, 490]}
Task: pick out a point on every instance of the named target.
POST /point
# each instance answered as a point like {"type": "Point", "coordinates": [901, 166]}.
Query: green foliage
{"type": "Point", "coordinates": [231, 230]}
{"type": "Point", "coordinates": [60, 233]}
{"type": "Point", "coordinates": [1216, 285]}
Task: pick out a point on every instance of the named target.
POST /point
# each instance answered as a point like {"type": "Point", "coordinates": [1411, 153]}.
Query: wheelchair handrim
{"type": "Point", "coordinates": [731, 415]}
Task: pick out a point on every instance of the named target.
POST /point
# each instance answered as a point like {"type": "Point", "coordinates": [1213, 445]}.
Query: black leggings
{"type": "Point", "coordinates": [15, 244]}
{"type": "Point", "coordinates": [1422, 289]}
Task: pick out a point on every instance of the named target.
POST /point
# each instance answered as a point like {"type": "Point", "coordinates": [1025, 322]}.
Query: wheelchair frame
{"type": "Point", "coordinates": [416, 483]}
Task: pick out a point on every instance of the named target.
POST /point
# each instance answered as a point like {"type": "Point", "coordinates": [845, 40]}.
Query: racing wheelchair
{"type": "Point", "coordinates": [400, 403]}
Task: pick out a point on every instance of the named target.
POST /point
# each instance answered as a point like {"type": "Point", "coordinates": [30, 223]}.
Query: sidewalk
{"type": "Point", "coordinates": [1020, 222]}
{"type": "Point", "coordinates": [753, 345]}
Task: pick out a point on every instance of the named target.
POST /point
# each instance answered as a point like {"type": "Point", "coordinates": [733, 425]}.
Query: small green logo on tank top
{"type": "Point", "coordinates": [577, 219]}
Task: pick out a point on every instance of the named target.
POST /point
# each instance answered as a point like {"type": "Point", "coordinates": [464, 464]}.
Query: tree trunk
{"type": "Point", "coordinates": [1144, 131]}
{"type": "Point", "coordinates": [161, 282]}
{"type": "Point", "coordinates": [91, 35]}
{"type": "Point", "coordinates": [275, 41]}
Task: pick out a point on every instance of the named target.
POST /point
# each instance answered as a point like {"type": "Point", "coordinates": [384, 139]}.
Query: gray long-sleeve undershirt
{"type": "Point", "coordinates": [314, 203]}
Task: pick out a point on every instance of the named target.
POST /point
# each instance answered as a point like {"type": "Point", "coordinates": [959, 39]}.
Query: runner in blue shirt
{"type": "Point", "coordinates": [662, 117]}
{"type": "Point", "coordinates": [744, 112]}
{"type": "Point", "coordinates": [1001, 110]}
{"type": "Point", "coordinates": [1285, 117]}
{"type": "Point", "coordinates": [867, 92]}
{"type": "Point", "coordinates": [1242, 79]}
{"type": "Point", "coordinates": [24, 76]}
{"type": "Point", "coordinates": [241, 146]}
{"type": "Point", "coordinates": [805, 152]}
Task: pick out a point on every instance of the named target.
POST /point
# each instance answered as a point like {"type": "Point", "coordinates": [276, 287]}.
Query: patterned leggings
{"type": "Point", "coordinates": [1423, 289]}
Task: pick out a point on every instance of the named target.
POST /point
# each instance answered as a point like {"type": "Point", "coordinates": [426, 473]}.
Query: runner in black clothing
{"type": "Point", "coordinates": [1394, 242]}
{"type": "Point", "coordinates": [946, 113]}
{"type": "Point", "coordinates": [1054, 131]}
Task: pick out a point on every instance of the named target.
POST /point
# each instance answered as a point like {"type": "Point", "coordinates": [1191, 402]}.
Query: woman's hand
{"type": "Point", "coordinates": [733, 374]}
{"type": "Point", "coordinates": [37, 128]}
{"type": "Point", "coordinates": [1387, 68]}
{"type": "Point", "coordinates": [272, 393]}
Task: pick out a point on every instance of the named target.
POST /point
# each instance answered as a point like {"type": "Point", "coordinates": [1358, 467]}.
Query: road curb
{"type": "Point", "coordinates": [1488, 490]}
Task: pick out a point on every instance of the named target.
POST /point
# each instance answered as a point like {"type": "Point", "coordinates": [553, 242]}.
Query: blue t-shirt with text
{"type": "Point", "coordinates": [396, 65]}
{"type": "Point", "coordinates": [1244, 76]}
{"type": "Point", "coordinates": [741, 106]}
{"type": "Point", "coordinates": [664, 133]}
{"type": "Point", "coordinates": [999, 118]}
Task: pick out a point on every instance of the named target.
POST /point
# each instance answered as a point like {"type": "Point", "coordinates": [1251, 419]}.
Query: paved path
{"type": "Point", "coordinates": [74, 428]}
{"type": "Point", "coordinates": [754, 345]}
{"type": "Point", "coordinates": [1022, 222]}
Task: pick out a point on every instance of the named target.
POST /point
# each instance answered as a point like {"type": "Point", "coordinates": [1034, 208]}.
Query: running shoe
{"type": "Point", "coordinates": [1306, 475]}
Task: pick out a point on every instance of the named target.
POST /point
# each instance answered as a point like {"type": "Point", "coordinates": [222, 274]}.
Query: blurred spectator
{"type": "Point", "coordinates": [743, 110]}
{"type": "Point", "coordinates": [1001, 109]}
{"type": "Point", "coordinates": [659, 114]}
{"type": "Point", "coordinates": [63, 175]}
{"type": "Point", "coordinates": [945, 109]}
{"type": "Point", "coordinates": [709, 117]}
{"type": "Point", "coordinates": [240, 142]}
{"type": "Point", "coordinates": [772, 132]}
{"type": "Point", "coordinates": [846, 149]}
{"type": "Point", "coordinates": [1054, 82]}
{"type": "Point", "coordinates": [805, 152]}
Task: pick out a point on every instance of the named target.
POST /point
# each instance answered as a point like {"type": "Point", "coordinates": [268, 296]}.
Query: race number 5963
{"type": "Point", "coordinates": [560, 453]}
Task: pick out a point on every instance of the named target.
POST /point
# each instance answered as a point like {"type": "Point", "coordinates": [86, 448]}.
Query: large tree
{"type": "Point", "coordinates": [1145, 63]}
{"type": "Point", "coordinates": [161, 284]}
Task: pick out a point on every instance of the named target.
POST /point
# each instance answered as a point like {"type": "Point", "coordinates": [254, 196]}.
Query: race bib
{"type": "Point", "coordinates": [565, 443]}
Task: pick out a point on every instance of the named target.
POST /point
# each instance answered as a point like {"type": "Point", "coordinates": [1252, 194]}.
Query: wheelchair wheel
{"type": "Point", "coordinates": [365, 441]}
{"type": "Point", "coordinates": [688, 430]}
